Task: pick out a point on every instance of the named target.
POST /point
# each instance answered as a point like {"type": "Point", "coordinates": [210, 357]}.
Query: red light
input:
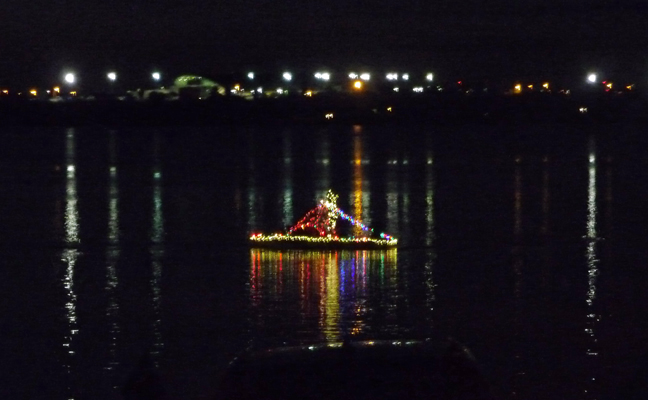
{"type": "Point", "coordinates": [459, 82]}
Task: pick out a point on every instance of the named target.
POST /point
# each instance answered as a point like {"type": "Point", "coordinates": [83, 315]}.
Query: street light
{"type": "Point", "coordinates": [112, 76]}
{"type": "Point", "coordinates": [287, 76]}
{"type": "Point", "coordinates": [250, 75]}
{"type": "Point", "coordinates": [591, 78]}
{"type": "Point", "coordinates": [429, 77]}
{"type": "Point", "coordinates": [156, 76]}
{"type": "Point", "coordinates": [70, 78]}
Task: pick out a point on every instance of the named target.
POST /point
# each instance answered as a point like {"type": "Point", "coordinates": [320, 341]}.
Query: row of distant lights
{"type": "Point", "coordinates": [364, 76]}
{"type": "Point", "coordinates": [112, 76]}
{"type": "Point", "coordinates": [324, 76]}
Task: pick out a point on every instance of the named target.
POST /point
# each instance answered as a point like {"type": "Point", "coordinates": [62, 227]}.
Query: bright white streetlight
{"type": "Point", "coordinates": [365, 76]}
{"type": "Point", "coordinates": [156, 76]}
{"type": "Point", "coordinates": [429, 77]}
{"type": "Point", "coordinates": [250, 75]}
{"type": "Point", "coordinates": [324, 76]}
{"type": "Point", "coordinates": [392, 76]}
{"type": "Point", "coordinates": [112, 76]}
{"type": "Point", "coordinates": [70, 78]}
{"type": "Point", "coordinates": [591, 78]}
{"type": "Point", "coordinates": [353, 75]}
{"type": "Point", "coordinates": [405, 77]}
{"type": "Point", "coordinates": [287, 76]}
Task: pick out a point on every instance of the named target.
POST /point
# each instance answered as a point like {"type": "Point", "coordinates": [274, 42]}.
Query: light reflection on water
{"type": "Point", "coordinates": [157, 250]}
{"type": "Point", "coordinates": [70, 256]}
{"type": "Point", "coordinates": [543, 213]}
{"type": "Point", "coordinates": [112, 258]}
{"type": "Point", "coordinates": [322, 295]}
{"type": "Point", "coordinates": [592, 317]}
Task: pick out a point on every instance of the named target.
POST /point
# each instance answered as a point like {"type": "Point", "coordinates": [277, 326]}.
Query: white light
{"type": "Point", "coordinates": [70, 78]}
{"type": "Point", "coordinates": [418, 89]}
{"type": "Point", "coordinates": [392, 76]}
{"type": "Point", "coordinates": [112, 76]}
{"type": "Point", "coordinates": [250, 75]}
{"type": "Point", "coordinates": [396, 89]}
{"type": "Point", "coordinates": [156, 76]}
{"type": "Point", "coordinates": [280, 90]}
{"type": "Point", "coordinates": [259, 90]}
{"type": "Point", "coordinates": [429, 77]}
{"type": "Point", "coordinates": [353, 75]}
{"type": "Point", "coordinates": [325, 76]}
{"type": "Point", "coordinates": [591, 78]}
{"type": "Point", "coordinates": [365, 76]}
{"type": "Point", "coordinates": [405, 77]}
{"type": "Point", "coordinates": [287, 76]}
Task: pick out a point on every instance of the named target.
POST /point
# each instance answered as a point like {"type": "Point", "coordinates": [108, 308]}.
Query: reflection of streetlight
{"type": "Point", "coordinates": [591, 78]}
{"type": "Point", "coordinates": [112, 76]}
{"type": "Point", "coordinates": [156, 76]}
{"type": "Point", "coordinates": [70, 78]}
{"type": "Point", "coordinates": [287, 76]}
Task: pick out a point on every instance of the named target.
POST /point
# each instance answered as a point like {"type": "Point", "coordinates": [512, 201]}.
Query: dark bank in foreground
{"type": "Point", "coordinates": [357, 370]}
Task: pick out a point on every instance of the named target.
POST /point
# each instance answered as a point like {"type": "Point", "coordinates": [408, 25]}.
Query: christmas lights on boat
{"type": "Point", "coordinates": [318, 228]}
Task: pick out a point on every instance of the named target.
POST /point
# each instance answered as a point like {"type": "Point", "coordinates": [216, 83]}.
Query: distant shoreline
{"type": "Point", "coordinates": [327, 109]}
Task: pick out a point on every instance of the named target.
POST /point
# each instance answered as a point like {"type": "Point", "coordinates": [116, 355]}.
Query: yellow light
{"type": "Point", "coordinates": [73, 93]}
{"type": "Point", "coordinates": [33, 92]}
{"type": "Point", "coordinates": [5, 92]}
{"type": "Point", "coordinates": [630, 87]}
{"type": "Point", "coordinates": [545, 85]}
{"type": "Point", "coordinates": [530, 86]}
{"type": "Point", "coordinates": [57, 89]}
{"type": "Point", "coordinates": [308, 94]}
{"type": "Point", "coordinates": [389, 109]}
{"type": "Point", "coordinates": [609, 85]}
{"type": "Point", "coordinates": [329, 116]}
{"type": "Point", "coordinates": [357, 85]}
{"type": "Point", "coordinates": [237, 87]}
{"type": "Point", "coordinates": [518, 88]}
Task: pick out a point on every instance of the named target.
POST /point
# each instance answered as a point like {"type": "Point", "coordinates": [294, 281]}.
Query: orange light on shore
{"type": "Point", "coordinates": [357, 85]}
{"type": "Point", "coordinates": [5, 92]}
{"type": "Point", "coordinates": [517, 88]}
{"type": "Point", "coordinates": [33, 92]}
{"type": "Point", "coordinates": [57, 89]}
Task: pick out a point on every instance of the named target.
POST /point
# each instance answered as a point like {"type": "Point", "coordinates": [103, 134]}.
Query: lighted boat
{"type": "Point", "coordinates": [317, 229]}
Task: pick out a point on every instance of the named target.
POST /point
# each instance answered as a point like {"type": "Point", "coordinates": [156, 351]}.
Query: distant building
{"type": "Point", "coordinates": [194, 87]}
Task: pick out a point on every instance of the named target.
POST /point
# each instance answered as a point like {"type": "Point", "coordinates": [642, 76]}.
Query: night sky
{"type": "Point", "coordinates": [472, 38]}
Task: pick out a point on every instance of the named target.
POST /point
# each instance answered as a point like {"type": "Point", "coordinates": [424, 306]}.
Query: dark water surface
{"type": "Point", "coordinates": [528, 244]}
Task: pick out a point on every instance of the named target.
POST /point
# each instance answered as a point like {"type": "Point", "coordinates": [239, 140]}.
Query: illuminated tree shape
{"type": "Point", "coordinates": [322, 218]}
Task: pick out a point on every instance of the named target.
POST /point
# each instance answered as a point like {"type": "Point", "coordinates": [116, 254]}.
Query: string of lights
{"type": "Point", "coordinates": [323, 220]}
